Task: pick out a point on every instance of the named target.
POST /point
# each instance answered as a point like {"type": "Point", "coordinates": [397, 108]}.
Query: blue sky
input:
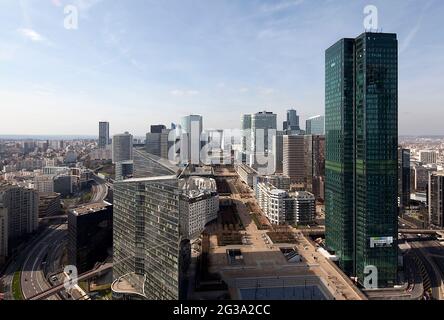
{"type": "Point", "coordinates": [142, 62]}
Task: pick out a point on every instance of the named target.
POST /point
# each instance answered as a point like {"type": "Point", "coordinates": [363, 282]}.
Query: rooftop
{"type": "Point", "coordinates": [90, 208]}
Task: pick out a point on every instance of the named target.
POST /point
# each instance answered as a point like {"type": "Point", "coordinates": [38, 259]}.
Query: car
{"type": "Point", "coordinates": [54, 278]}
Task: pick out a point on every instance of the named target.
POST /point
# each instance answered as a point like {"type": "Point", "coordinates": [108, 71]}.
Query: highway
{"type": "Point", "coordinates": [99, 190]}
{"type": "Point", "coordinates": [426, 250]}
{"type": "Point", "coordinates": [33, 278]}
{"type": "Point", "coordinates": [56, 289]}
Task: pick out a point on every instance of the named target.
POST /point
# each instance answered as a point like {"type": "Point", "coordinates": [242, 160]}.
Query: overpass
{"type": "Point", "coordinates": [84, 276]}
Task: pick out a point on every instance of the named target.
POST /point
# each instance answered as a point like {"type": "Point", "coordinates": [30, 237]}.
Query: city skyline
{"type": "Point", "coordinates": [166, 68]}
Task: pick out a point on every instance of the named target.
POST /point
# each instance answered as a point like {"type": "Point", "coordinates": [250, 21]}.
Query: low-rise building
{"type": "Point", "coordinates": [49, 204]}
{"type": "Point", "coordinates": [246, 173]}
{"type": "Point", "coordinates": [283, 207]}
{"type": "Point", "coordinates": [198, 205]}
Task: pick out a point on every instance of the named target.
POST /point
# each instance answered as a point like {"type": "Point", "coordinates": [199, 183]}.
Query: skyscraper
{"type": "Point", "coordinates": [103, 134]}
{"type": "Point", "coordinates": [315, 125]}
{"type": "Point", "coordinates": [293, 158]}
{"type": "Point", "coordinates": [122, 147]}
{"type": "Point", "coordinates": [263, 129]}
{"type": "Point", "coordinates": [361, 102]}
{"type": "Point", "coordinates": [192, 128]}
{"type": "Point", "coordinates": [403, 177]}
{"type": "Point", "coordinates": [436, 199]}
{"type": "Point", "coordinates": [278, 151]}
{"type": "Point", "coordinates": [292, 120]}
{"type": "Point", "coordinates": [246, 135]}
{"type": "Point", "coordinates": [315, 164]}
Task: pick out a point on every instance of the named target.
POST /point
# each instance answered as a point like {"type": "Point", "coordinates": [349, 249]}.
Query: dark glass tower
{"type": "Point", "coordinates": [361, 96]}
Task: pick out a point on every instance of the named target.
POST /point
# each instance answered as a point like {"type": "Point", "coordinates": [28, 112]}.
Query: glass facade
{"type": "Point", "coordinates": [361, 157]}
{"type": "Point", "coordinates": [147, 238]}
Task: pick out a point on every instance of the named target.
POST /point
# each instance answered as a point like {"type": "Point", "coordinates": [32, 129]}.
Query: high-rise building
{"type": "Point", "coordinates": [192, 127]}
{"type": "Point", "coordinates": [122, 147]}
{"type": "Point", "coordinates": [148, 240]}
{"type": "Point", "coordinates": [294, 158]}
{"type": "Point", "coordinates": [246, 135]}
{"type": "Point", "coordinates": [315, 125]}
{"type": "Point", "coordinates": [22, 205]}
{"type": "Point", "coordinates": [158, 128]}
{"type": "Point", "coordinates": [436, 199]}
{"type": "Point", "coordinates": [361, 101]}
{"type": "Point", "coordinates": [263, 129]}
{"type": "Point", "coordinates": [278, 151]}
{"type": "Point", "coordinates": [421, 177]}
{"type": "Point", "coordinates": [152, 143]}
{"type": "Point", "coordinates": [90, 235]}
{"type": "Point", "coordinates": [103, 134]}
{"type": "Point", "coordinates": [403, 177]}
{"type": "Point", "coordinates": [292, 121]}
{"type": "Point", "coordinates": [315, 164]}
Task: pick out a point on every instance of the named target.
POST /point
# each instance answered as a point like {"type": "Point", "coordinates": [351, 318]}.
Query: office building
{"type": "Point", "coordinates": [64, 185]}
{"type": "Point", "coordinates": [428, 156]}
{"type": "Point", "coordinates": [278, 151]}
{"type": "Point", "coordinates": [436, 199]}
{"type": "Point", "coordinates": [191, 131]}
{"type": "Point", "coordinates": [361, 101]}
{"type": "Point", "coordinates": [292, 123]}
{"type": "Point", "coordinates": [122, 147]}
{"type": "Point", "coordinates": [124, 170]}
{"type": "Point", "coordinates": [103, 134]}
{"type": "Point", "coordinates": [315, 165]}
{"type": "Point", "coordinates": [157, 128]}
{"type": "Point", "coordinates": [166, 144]}
{"type": "Point", "coordinates": [90, 235]}
{"type": "Point", "coordinates": [150, 252]}
{"type": "Point", "coordinates": [403, 178]}
{"type": "Point", "coordinates": [246, 135]}
{"type": "Point", "coordinates": [294, 158]}
{"type": "Point", "coordinates": [421, 176]}
{"type": "Point", "coordinates": [315, 125]}
{"type": "Point", "coordinates": [152, 143]}
{"type": "Point", "coordinates": [263, 130]}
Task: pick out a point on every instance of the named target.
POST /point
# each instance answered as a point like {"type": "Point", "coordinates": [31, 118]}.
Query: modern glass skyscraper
{"type": "Point", "coordinates": [292, 120]}
{"type": "Point", "coordinates": [403, 178]}
{"type": "Point", "coordinates": [263, 130]}
{"type": "Point", "coordinates": [192, 127]}
{"type": "Point", "coordinates": [315, 125]}
{"type": "Point", "coordinates": [361, 97]}
{"type": "Point", "coordinates": [122, 147]}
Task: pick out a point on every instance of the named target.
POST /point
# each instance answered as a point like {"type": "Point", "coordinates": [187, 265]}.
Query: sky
{"type": "Point", "coordinates": [136, 63]}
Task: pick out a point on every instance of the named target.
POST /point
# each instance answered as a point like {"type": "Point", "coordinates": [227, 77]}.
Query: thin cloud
{"type": "Point", "coordinates": [271, 8]}
{"type": "Point", "coordinates": [31, 34]}
{"type": "Point", "coordinates": [184, 93]}
{"type": "Point", "coordinates": [411, 35]}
